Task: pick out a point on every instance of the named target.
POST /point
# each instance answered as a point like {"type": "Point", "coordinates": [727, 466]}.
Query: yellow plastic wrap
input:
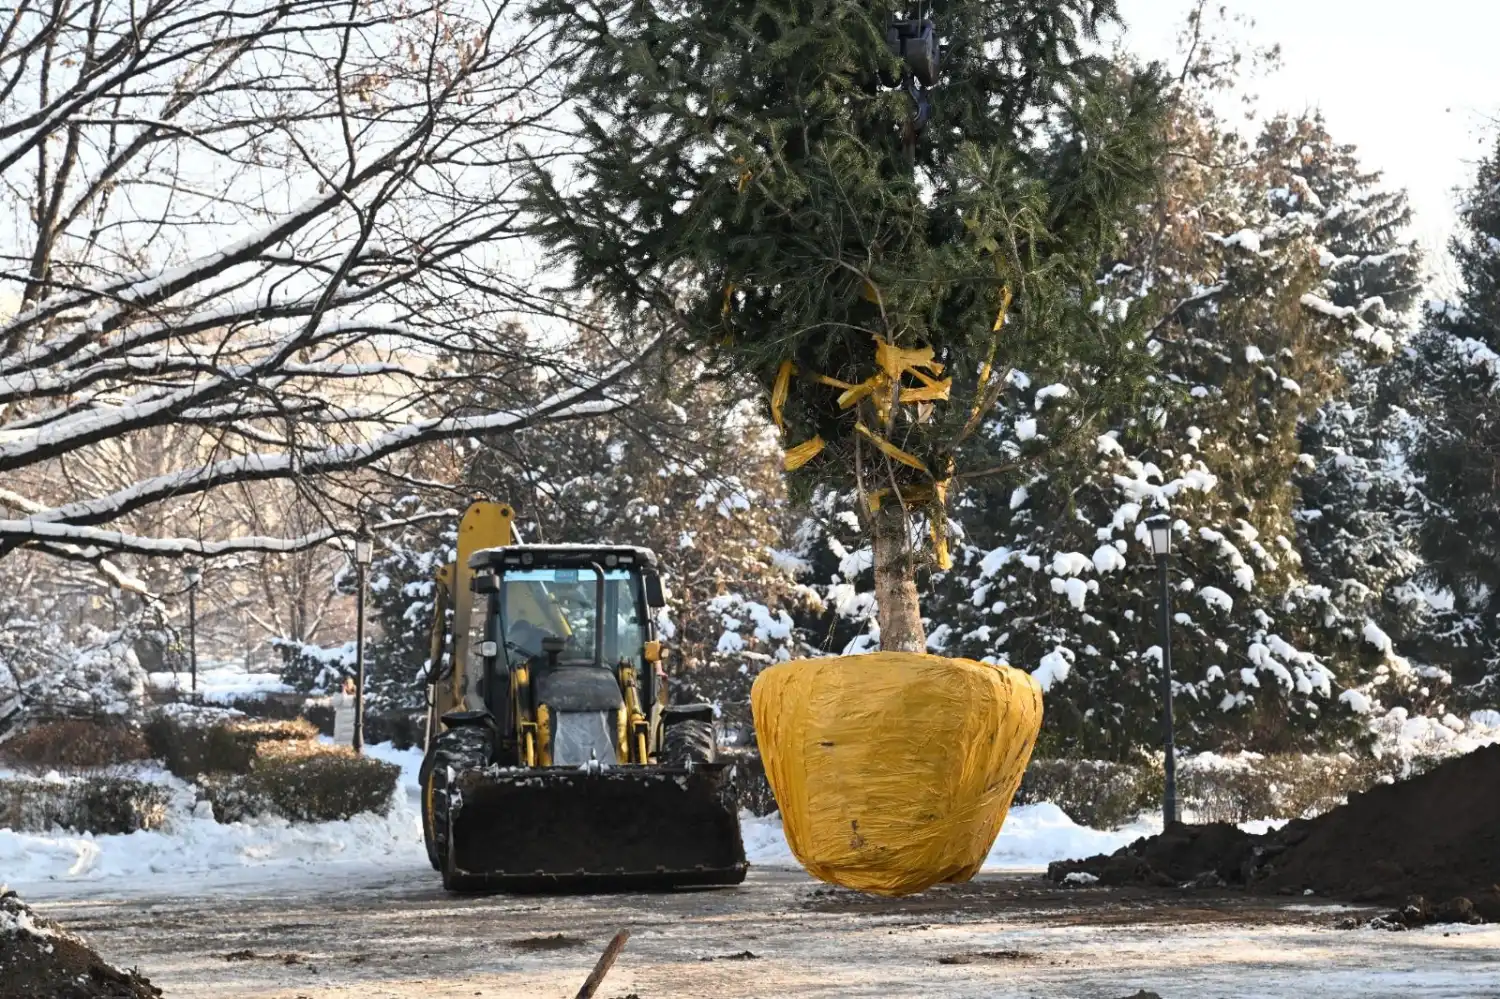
{"type": "Point", "coordinates": [894, 771]}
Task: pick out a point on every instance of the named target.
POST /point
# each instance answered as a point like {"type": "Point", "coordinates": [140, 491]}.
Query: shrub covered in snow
{"type": "Point", "coordinates": [303, 782]}
{"type": "Point", "coordinates": [48, 676]}
{"type": "Point", "coordinates": [10, 698]}
{"type": "Point", "coordinates": [314, 669]}
{"type": "Point", "coordinates": [190, 743]}
{"type": "Point", "coordinates": [75, 743]}
{"type": "Point", "coordinates": [1409, 739]}
{"type": "Point", "coordinates": [1251, 786]}
{"type": "Point", "coordinates": [97, 803]}
{"type": "Point", "coordinates": [1097, 793]}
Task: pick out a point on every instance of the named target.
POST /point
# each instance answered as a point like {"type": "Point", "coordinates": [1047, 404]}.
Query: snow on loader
{"type": "Point", "coordinates": [554, 762]}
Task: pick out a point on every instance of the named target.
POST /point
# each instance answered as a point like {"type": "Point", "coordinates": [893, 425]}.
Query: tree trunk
{"type": "Point", "coordinates": [896, 583]}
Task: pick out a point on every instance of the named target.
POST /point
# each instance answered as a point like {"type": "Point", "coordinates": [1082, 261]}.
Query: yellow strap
{"type": "Point", "coordinates": [937, 517]}
{"type": "Point", "coordinates": [855, 393]}
{"type": "Point", "coordinates": [928, 393]}
{"type": "Point", "coordinates": [891, 450]}
{"type": "Point", "coordinates": [745, 174]}
{"type": "Point", "coordinates": [825, 380]}
{"type": "Point", "coordinates": [800, 455]}
{"type": "Point", "coordinates": [1004, 308]}
{"type": "Point", "coordinates": [917, 495]}
{"type": "Point", "coordinates": [779, 391]}
{"type": "Point", "coordinates": [895, 360]}
{"type": "Point", "coordinates": [940, 545]}
{"type": "Point", "coordinates": [728, 297]}
{"type": "Point", "coordinates": [987, 368]}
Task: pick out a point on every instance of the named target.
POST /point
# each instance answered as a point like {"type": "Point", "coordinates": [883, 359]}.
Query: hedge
{"type": "Point", "coordinates": [99, 805]}
{"type": "Point", "coordinates": [189, 749]}
{"type": "Point", "coordinates": [303, 782]}
{"type": "Point", "coordinates": [75, 743]}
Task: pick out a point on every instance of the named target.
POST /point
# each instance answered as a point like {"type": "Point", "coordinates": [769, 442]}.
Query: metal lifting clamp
{"type": "Point", "coordinates": [915, 41]}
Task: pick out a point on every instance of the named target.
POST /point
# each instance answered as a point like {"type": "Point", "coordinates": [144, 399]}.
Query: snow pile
{"type": "Point", "coordinates": [1036, 835]}
{"type": "Point", "coordinates": [314, 668]}
{"type": "Point", "coordinates": [192, 844]}
{"type": "Point", "coordinates": [765, 842]}
{"type": "Point", "coordinates": [1403, 736]}
{"type": "Point", "coordinates": [1033, 837]}
{"type": "Point", "coordinates": [198, 845]}
{"type": "Point", "coordinates": [223, 681]}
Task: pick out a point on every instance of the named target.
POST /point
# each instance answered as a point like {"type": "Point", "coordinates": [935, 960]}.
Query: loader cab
{"type": "Point", "coordinates": [559, 642]}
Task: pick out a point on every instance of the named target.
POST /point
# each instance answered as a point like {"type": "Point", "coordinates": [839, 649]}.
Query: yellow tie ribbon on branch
{"type": "Point", "coordinates": [893, 363]}
{"type": "Point", "coordinates": [987, 367]}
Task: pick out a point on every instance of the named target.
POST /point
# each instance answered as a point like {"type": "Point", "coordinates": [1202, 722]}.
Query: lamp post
{"type": "Point", "coordinates": [1160, 530]}
{"type": "Point", "coordinates": [194, 576]}
{"type": "Point", "coordinates": [364, 550]}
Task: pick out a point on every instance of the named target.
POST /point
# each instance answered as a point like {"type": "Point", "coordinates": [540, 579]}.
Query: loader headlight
{"type": "Point", "coordinates": [489, 649]}
{"type": "Point", "coordinates": [611, 560]}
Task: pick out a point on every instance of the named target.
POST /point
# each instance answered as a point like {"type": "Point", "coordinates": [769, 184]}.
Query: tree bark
{"type": "Point", "coordinates": [900, 613]}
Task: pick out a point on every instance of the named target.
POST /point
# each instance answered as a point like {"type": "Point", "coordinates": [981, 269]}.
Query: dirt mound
{"type": "Point", "coordinates": [40, 960]}
{"type": "Point", "coordinates": [1436, 837]}
{"type": "Point", "coordinates": [1208, 856]}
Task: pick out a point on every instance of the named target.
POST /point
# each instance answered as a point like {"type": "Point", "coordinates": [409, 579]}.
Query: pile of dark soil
{"type": "Point", "coordinates": [39, 960]}
{"type": "Point", "coordinates": [1428, 842]}
{"type": "Point", "coordinates": [1208, 856]}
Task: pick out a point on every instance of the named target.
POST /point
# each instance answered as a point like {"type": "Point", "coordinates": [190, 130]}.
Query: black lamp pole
{"type": "Point", "coordinates": [193, 576]}
{"type": "Point", "coordinates": [1161, 544]}
{"type": "Point", "coordinates": [363, 550]}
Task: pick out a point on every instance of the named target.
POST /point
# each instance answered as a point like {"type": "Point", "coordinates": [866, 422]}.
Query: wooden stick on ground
{"type": "Point", "coordinates": [606, 961]}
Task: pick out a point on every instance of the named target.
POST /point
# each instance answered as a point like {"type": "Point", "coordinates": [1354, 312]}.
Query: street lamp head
{"type": "Point", "coordinates": [1159, 528]}
{"type": "Point", "coordinates": [364, 550]}
{"type": "Point", "coordinates": [193, 575]}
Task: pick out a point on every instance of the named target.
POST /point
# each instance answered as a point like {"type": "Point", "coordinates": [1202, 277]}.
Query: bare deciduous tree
{"type": "Point", "coordinates": [283, 234]}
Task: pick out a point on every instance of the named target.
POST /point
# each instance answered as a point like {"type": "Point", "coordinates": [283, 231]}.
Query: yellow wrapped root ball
{"type": "Point", "coordinates": [894, 771]}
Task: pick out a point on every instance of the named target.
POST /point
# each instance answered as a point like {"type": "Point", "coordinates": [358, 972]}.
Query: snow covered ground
{"type": "Point", "coordinates": [1002, 936]}
{"type": "Point", "coordinates": [193, 847]}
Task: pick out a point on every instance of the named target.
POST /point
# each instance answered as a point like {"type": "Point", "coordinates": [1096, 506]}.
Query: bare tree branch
{"type": "Point", "coordinates": [267, 242]}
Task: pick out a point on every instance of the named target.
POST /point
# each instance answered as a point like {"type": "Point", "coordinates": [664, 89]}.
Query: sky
{"type": "Point", "coordinates": [1415, 85]}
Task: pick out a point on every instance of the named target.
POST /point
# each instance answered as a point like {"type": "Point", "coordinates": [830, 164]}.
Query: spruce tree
{"type": "Point", "coordinates": [1361, 502]}
{"type": "Point", "coordinates": [1459, 451]}
{"type": "Point", "coordinates": [1245, 245]}
{"type": "Point", "coordinates": [873, 239]}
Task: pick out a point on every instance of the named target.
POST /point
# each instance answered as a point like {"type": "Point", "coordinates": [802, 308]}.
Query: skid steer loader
{"type": "Point", "coordinates": [554, 762]}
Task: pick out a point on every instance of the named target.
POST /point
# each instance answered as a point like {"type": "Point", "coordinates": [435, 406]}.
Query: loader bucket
{"type": "Point", "coordinates": [627, 828]}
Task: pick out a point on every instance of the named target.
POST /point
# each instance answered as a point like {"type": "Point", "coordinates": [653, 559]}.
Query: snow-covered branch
{"type": "Point", "coordinates": [277, 241]}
